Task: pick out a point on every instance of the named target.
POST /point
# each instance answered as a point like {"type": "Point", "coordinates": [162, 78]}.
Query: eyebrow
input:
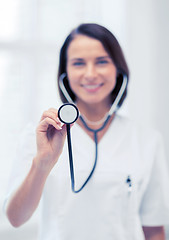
{"type": "Point", "coordinates": [82, 59]}
{"type": "Point", "coordinates": [103, 57]}
{"type": "Point", "coordinates": [76, 59]}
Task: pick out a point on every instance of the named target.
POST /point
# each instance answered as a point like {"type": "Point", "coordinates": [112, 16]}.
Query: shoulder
{"type": "Point", "coordinates": [144, 140]}
{"type": "Point", "coordinates": [137, 129]}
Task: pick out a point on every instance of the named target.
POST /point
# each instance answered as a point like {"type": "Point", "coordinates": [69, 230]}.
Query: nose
{"type": "Point", "coordinates": [90, 72]}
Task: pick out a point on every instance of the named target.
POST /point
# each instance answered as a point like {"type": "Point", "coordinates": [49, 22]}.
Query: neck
{"type": "Point", "coordinates": [93, 114]}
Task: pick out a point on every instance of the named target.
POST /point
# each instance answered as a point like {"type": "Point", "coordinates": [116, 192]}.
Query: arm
{"type": "Point", "coordinates": [154, 233]}
{"type": "Point", "coordinates": [154, 207]}
{"type": "Point", "coordinates": [26, 199]}
{"type": "Point", "coordinates": [50, 140]}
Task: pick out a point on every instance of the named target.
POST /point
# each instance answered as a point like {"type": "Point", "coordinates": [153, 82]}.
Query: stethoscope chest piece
{"type": "Point", "coordinates": [68, 113]}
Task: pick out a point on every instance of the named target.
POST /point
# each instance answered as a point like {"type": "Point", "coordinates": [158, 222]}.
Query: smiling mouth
{"type": "Point", "coordinates": [92, 87]}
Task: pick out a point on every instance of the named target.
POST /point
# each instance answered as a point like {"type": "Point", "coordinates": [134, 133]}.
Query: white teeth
{"type": "Point", "coordinates": [92, 86]}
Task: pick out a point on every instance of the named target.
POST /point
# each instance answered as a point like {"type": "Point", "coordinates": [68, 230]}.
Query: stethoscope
{"type": "Point", "coordinates": [68, 113]}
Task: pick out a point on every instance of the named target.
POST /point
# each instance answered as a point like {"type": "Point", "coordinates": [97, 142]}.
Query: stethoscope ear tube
{"type": "Point", "coordinates": [114, 107]}
{"type": "Point", "coordinates": [63, 89]}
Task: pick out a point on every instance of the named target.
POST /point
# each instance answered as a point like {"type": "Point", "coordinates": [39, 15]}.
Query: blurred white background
{"type": "Point", "coordinates": [31, 34]}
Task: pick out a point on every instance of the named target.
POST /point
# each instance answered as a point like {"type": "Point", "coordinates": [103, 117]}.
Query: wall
{"type": "Point", "coordinates": [31, 34]}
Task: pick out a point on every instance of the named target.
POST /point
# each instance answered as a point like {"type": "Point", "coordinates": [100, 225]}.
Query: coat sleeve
{"type": "Point", "coordinates": [22, 160]}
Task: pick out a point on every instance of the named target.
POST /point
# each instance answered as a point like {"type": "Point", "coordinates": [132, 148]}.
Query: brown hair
{"type": "Point", "coordinates": [112, 47]}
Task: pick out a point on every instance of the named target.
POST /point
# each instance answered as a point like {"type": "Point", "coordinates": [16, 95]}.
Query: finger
{"type": "Point", "coordinates": [50, 114]}
{"type": "Point", "coordinates": [71, 125]}
{"type": "Point", "coordinates": [53, 115]}
{"type": "Point", "coordinates": [44, 124]}
{"type": "Point", "coordinates": [54, 110]}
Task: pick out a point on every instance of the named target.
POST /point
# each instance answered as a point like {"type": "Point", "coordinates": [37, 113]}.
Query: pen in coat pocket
{"type": "Point", "coordinates": [129, 183]}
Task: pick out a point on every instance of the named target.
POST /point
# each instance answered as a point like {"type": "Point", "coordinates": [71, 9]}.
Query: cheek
{"type": "Point", "coordinates": [112, 76]}
{"type": "Point", "coordinates": [111, 85]}
{"type": "Point", "coordinates": [71, 77]}
{"type": "Point", "coordinates": [111, 79]}
{"type": "Point", "coordinates": [74, 78]}
{"type": "Point", "coordinates": [73, 83]}
{"type": "Point", "coordinates": [72, 74]}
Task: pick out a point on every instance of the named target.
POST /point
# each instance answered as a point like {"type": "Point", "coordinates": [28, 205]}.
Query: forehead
{"type": "Point", "coordinates": [83, 46]}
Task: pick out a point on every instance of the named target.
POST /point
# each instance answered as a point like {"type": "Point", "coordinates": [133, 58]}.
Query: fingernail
{"type": "Point", "coordinates": [58, 120]}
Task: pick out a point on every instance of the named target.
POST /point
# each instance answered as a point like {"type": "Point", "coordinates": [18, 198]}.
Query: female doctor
{"type": "Point", "coordinates": [126, 196]}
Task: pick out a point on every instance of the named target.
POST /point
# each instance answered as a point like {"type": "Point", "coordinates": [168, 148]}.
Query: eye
{"type": "Point", "coordinates": [78, 63]}
{"type": "Point", "coordinates": [102, 62]}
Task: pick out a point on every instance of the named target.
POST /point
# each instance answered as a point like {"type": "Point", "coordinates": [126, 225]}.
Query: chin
{"type": "Point", "coordinates": [93, 102]}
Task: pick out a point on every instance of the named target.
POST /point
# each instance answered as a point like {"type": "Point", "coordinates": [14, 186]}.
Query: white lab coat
{"type": "Point", "coordinates": [107, 208]}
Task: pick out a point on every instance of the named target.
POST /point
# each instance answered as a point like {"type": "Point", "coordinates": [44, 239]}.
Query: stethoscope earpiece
{"type": "Point", "coordinates": [68, 113]}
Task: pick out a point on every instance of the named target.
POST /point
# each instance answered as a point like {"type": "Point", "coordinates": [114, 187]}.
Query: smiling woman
{"type": "Point", "coordinates": [127, 196]}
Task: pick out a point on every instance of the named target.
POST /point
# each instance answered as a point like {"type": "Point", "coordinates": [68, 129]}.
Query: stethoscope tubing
{"type": "Point", "coordinates": [71, 155]}
{"type": "Point", "coordinates": [71, 162]}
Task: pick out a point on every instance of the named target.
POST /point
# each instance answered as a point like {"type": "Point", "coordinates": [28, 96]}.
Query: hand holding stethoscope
{"type": "Point", "coordinates": [50, 138]}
